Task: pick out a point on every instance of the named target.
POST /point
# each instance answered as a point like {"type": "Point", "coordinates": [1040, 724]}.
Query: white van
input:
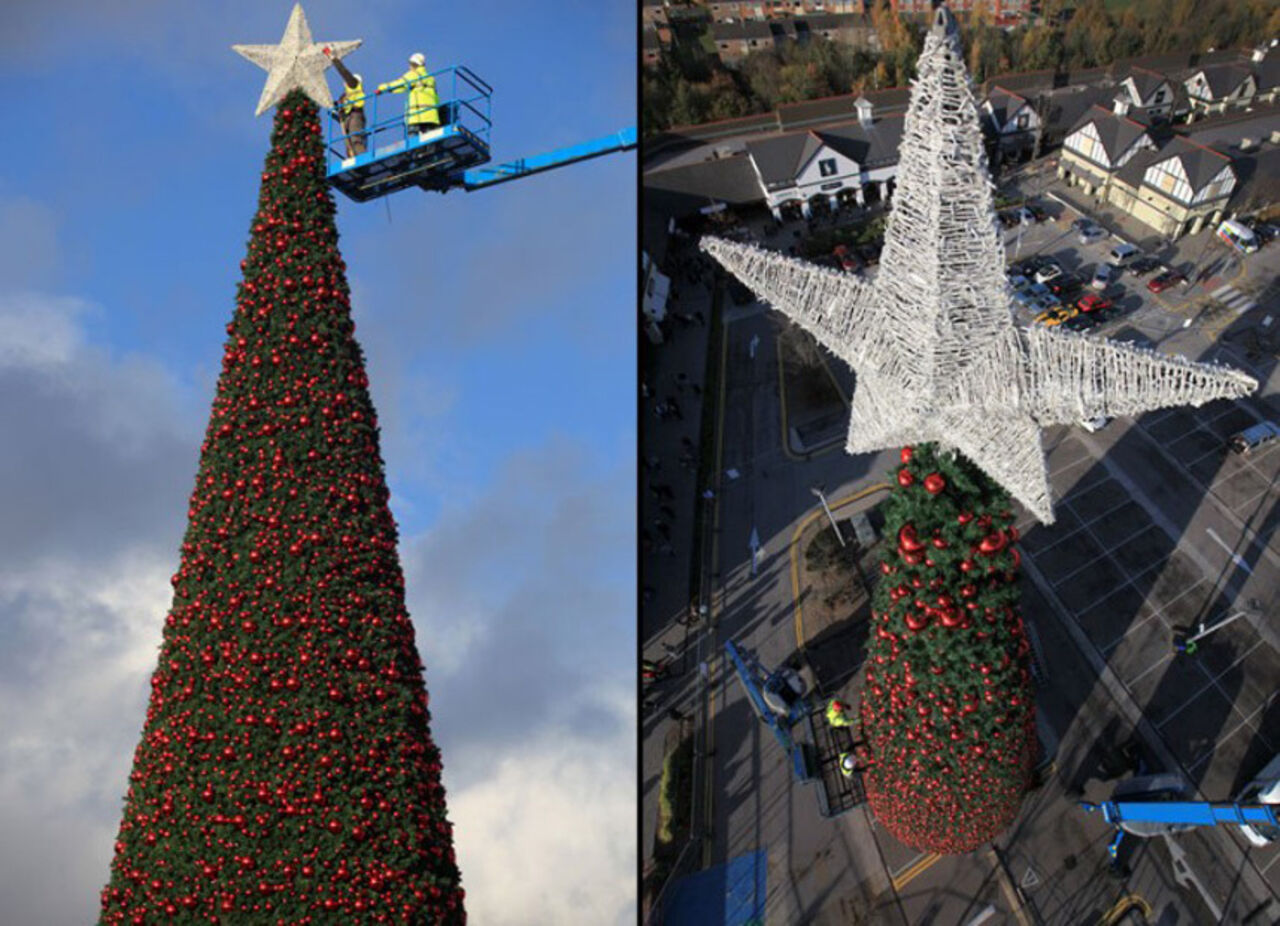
{"type": "Point", "coordinates": [1239, 236]}
{"type": "Point", "coordinates": [1121, 253]}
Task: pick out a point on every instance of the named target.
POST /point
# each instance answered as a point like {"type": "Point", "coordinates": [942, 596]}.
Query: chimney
{"type": "Point", "coordinates": [1121, 105]}
{"type": "Point", "coordinates": [864, 108]}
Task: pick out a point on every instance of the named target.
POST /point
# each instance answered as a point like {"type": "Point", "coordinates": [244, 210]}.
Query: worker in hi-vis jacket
{"type": "Point", "coordinates": [350, 107]}
{"type": "Point", "coordinates": [421, 114]}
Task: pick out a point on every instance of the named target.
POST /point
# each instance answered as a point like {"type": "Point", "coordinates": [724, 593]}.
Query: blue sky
{"type": "Point", "coordinates": [499, 330]}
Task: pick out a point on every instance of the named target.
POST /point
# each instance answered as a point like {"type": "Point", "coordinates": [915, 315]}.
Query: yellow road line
{"type": "Point", "coordinates": [795, 544]}
{"type": "Point", "coordinates": [1010, 893]}
{"type": "Point", "coordinates": [713, 656]}
{"type": "Point", "coordinates": [1123, 906]}
{"type": "Point", "coordinates": [918, 867]}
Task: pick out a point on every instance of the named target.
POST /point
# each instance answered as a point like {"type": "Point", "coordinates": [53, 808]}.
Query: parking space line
{"type": "Point", "coordinates": [1149, 669]}
{"type": "Point", "coordinates": [1213, 683]}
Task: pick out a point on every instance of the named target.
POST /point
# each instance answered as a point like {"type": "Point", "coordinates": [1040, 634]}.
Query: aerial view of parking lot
{"type": "Point", "coordinates": [960, 470]}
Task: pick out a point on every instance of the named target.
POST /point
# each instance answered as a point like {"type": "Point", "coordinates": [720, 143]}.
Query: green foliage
{"type": "Point", "coordinates": [286, 771]}
{"type": "Point", "coordinates": [689, 86]}
{"type": "Point", "coordinates": [673, 791]}
{"type": "Point", "coordinates": [947, 709]}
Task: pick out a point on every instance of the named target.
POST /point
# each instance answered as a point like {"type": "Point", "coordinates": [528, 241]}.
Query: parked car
{"type": "Point", "coordinates": [1122, 253]}
{"type": "Point", "coordinates": [1080, 224]}
{"type": "Point", "coordinates": [1018, 283]}
{"type": "Point", "coordinates": [1066, 285]}
{"type": "Point", "coordinates": [1093, 302]}
{"type": "Point", "coordinates": [1251, 439]}
{"type": "Point", "coordinates": [1044, 303]}
{"type": "Point", "coordinates": [1143, 265]}
{"type": "Point", "coordinates": [1091, 233]}
{"type": "Point", "coordinates": [1007, 219]}
{"type": "Point", "coordinates": [1083, 321]}
{"type": "Point", "coordinates": [848, 259]}
{"type": "Point", "coordinates": [1050, 271]}
{"type": "Point", "coordinates": [1093, 425]}
{"type": "Point", "coordinates": [1057, 315]}
{"type": "Point", "coordinates": [1037, 214]}
{"type": "Point", "coordinates": [1103, 277]}
{"type": "Point", "coordinates": [1165, 280]}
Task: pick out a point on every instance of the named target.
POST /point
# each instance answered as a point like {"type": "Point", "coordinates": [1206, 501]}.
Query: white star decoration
{"type": "Point", "coordinates": [295, 62]}
{"type": "Point", "coordinates": [932, 339]}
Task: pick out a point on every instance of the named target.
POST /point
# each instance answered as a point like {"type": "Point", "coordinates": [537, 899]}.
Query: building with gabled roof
{"type": "Point", "coordinates": [1011, 125]}
{"type": "Point", "coordinates": [1099, 144]}
{"type": "Point", "coordinates": [1148, 90]}
{"type": "Point", "coordinates": [1175, 189]}
{"type": "Point", "coordinates": [854, 162]}
{"type": "Point", "coordinates": [735, 40]}
{"type": "Point", "coordinates": [1219, 87]}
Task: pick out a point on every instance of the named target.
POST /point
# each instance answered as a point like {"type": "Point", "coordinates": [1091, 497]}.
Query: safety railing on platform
{"type": "Point", "coordinates": [392, 125]}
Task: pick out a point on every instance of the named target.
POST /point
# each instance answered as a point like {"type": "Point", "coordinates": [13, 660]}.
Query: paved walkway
{"type": "Point", "coordinates": [671, 409]}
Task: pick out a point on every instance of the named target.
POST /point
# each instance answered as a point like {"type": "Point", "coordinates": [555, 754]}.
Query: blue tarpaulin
{"type": "Point", "coordinates": [731, 894]}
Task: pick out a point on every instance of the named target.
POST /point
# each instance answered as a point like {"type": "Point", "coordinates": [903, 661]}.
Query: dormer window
{"type": "Point", "coordinates": [827, 168]}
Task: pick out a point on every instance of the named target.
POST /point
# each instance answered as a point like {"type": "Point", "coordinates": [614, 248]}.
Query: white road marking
{"type": "Point", "coordinates": [1235, 557]}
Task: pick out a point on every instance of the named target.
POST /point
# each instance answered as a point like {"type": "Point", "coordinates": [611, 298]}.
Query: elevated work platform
{"type": "Point", "coordinates": [393, 152]}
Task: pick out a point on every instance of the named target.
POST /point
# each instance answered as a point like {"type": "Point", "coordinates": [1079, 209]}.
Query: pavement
{"type": "Point", "coordinates": [1157, 529]}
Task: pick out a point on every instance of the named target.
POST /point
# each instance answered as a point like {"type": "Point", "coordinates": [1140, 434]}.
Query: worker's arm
{"type": "Point", "coordinates": [347, 77]}
{"type": "Point", "coordinates": [399, 85]}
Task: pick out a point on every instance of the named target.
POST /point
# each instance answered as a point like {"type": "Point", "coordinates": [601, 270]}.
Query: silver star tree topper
{"type": "Point", "coordinates": [295, 62]}
{"type": "Point", "coordinates": [933, 340]}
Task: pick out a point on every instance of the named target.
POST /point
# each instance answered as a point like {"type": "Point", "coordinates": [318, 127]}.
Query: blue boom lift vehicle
{"type": "Point", "coordinates": [449, 157]}
{"type": "Point", "coordinates": [779, 701]}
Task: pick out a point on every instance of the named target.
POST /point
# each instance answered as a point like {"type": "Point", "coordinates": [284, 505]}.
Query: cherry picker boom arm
{"type": "Point", "coordinates": [479, 177]}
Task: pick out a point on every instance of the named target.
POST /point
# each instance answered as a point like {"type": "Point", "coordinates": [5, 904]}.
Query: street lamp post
{"type": "Point", "coordinates": [817, 490]}
{"type": "Point", "coordinates": [1187, 645]}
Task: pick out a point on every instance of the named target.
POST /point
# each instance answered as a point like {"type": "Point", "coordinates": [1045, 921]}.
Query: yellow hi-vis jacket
{"type": "Point", "coordinates": [420, 110]}
{"type": "Point", "coordinates": [352, 98]}
{"type": "Point", "coordinates": [836, 717]}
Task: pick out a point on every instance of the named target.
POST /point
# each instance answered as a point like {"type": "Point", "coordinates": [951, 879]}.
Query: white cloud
{"type": "Point", "coordinates": [550, 834]}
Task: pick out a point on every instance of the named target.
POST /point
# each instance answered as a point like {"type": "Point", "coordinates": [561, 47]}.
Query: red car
{"type": "Point", "coordinates": [1092, 302]}
{"type": "Point", "coordinates": [848, 260]}
{"type": "Point", "coordinates": [1165, 280]}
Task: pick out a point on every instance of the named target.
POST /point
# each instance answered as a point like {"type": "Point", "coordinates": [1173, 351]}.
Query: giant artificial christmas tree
{"type": "Point", "coordinates": [947, 711]}
{"type": "Point", "coordinates": [286, 773]}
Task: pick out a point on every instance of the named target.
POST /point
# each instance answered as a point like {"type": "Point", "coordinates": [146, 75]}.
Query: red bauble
{"type": "Point", "coordinates": [907, 540]}
{"type": "Point", "coordinates": [906, 454]}
{"type": "Point", "coordinates": [934, 483]}
{"type": "Point", "coordinates": [905, 478]}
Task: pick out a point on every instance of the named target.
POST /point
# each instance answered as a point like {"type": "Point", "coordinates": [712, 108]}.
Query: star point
{"type": "Point", "coordinates": [295, 61]}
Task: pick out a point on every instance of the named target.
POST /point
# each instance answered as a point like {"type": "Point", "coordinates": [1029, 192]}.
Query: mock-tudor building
{"type": "Point", "coordinates": [1011, 122]}
{"type": "Point", "coordinates": [1148, 90]}
{"type": "Point", "coordinates": [1099, 144]}
{"type": "Point", "coordinates": [1220, 87]}
{"type": "Point", "coordinates": [1174, 187]}
{"type": "Point", "coordinates": [1266, 72]}
{"type": "Point", "coordinates": [851, 163]}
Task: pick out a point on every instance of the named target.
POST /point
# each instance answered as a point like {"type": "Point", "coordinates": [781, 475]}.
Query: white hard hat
{"type": "Point", "coordinates": [848, 762]}
{"type": "Point", "coordinates": [417, 58]}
